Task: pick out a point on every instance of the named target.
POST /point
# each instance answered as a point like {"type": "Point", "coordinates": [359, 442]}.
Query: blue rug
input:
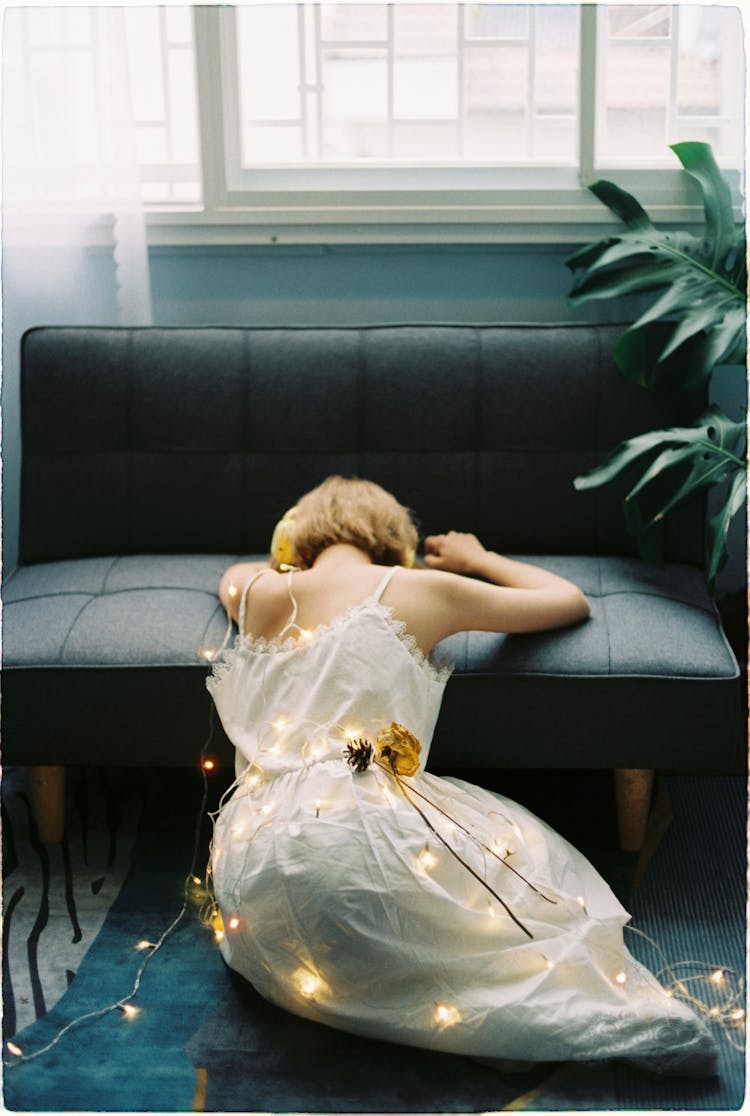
{"type": "Point", "coordinates": [203, 1040]}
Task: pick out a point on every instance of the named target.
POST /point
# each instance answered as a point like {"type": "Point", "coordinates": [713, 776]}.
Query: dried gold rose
{"type": "Point", "coordinates": [399, 749]}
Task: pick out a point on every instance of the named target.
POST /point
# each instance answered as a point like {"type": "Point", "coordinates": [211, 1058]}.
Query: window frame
{"type": "Point", "coordinates": [442, 209]}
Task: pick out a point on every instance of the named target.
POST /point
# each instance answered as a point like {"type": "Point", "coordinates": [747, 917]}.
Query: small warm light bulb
{"type": "Point", "coordinates": [279, 724]}
{"type": "Point", "coordinates": [307, 982]}
{"type": "Point", "coordinates": [490, 910]}
{"type": "Point", "coordinates": [129, 1010]}
{"type": "Point", "coordinates": [717, 976]}
{"type": "Point", "coordinates": [621, 978]}
{"type": "Point", "coordinates": [266, 809]}
{"type": "Point", "coordinates": [305, 634]}
{"type": "Point", "coordinates": [714, 1011]}
{"type": "Point", "coordinates": [218, 935]}
{"type": "Point", "coordinates": [737, 1014]}
{"type": "Point", "coordinates": [232, 590]}
{"type": "Point", "coordinates": [14, 1049]}
{"type": "Point", "coordinates": [209, 765]}
{"type": "Point", "coordinates": [581, 901]}
{"type": "Point", "coordinates": [352, 734]}
{"type": "Point", "coordinates": [196, 880]}
{"type": "Point", "coordinates": [446, 1015]}
{"type": "Point", "coordinates": [426, 859]}
{"type": "Point", "coordinates": [208, 653]}
{"type": "Point", "coordinates": [234, 923]}
{"type": "Point", "coordinates": [145, 945]}
{"type": "Point", "coordinates": [517, 830]}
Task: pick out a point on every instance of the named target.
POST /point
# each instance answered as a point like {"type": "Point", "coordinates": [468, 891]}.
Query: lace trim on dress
{"type": "Point", "coordinates": [437, 667]}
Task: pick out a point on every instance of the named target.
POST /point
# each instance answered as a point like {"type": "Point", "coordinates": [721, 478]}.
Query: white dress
{"type": "Point", "coordinates": [341, 904]}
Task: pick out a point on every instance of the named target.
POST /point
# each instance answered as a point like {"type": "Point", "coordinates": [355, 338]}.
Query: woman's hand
{"type": "Point", "coordinates": [456, 552]}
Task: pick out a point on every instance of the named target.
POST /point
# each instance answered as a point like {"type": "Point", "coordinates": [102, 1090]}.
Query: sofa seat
{"type": "Point", "coordinates": [124, 639]}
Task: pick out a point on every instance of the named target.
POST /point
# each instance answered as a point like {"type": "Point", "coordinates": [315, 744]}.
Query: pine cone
{"type": "Point", "coordinates": [358, 754]}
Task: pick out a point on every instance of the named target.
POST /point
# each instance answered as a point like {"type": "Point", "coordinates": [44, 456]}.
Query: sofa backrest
{"type": "Point", "coordinates": [179, 440]}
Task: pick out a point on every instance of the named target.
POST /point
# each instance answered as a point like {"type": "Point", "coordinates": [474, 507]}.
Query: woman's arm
{"type": "Point", "coordinates": [521, 597]}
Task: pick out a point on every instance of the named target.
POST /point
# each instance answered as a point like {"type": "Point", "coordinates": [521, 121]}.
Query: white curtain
{"type": "Point", "coordinates": [73, 231]}
{"type": "Point", "coordinates": [69, 154]}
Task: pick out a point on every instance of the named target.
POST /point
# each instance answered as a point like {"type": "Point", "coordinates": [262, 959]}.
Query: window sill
{"type": "Point", "coordinates": [561, 212]}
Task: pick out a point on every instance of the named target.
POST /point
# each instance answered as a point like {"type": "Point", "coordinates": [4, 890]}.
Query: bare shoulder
{"type": "Point", "coordinates": [234, 580]}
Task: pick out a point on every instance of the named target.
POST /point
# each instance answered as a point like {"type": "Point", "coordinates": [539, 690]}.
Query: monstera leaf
{"type": "Point", "coordinates": [711, 451]}
{"type": "Point", "coordinates": [701, 281]}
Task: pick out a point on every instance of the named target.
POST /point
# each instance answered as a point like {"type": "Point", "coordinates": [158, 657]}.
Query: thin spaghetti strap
{"type": "Point", "coordinates": [381, 588]}
{"type": "Point", "coordinates": [243, 598]}
{"type": "Point", "coordinates": [295, 608]}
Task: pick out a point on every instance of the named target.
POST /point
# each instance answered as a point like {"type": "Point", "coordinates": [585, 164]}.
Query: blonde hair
{"type": "Point", "coordinates": [359, 512]}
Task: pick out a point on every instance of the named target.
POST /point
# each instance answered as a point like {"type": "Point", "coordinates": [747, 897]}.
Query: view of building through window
{"type": "Point", "coordinates": [482, 83]}
{"type": "Point", "coordinates": [408, 83]}
{"type": "Point", "coordinates": [349, 85]}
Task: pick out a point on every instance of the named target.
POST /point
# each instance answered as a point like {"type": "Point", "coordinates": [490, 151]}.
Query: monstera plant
{"type": "Point", "coordinates": [696, 322]}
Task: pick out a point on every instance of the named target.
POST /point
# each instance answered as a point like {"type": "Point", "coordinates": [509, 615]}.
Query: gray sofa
{"type": "Point", "coordinates": [153, 458]}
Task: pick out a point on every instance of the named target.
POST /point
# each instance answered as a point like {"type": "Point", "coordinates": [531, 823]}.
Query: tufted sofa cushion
{"type": "Point", "coordinates": [104, 654]}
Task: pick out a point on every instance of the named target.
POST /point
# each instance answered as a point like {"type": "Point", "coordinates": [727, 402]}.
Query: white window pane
{"type": "Point", "coordinates": [65, 108]}
{"type": "Point", "coordinates": [426, 88]}
{"type": "Point", "coordinates": [710, 73]}
{"type": "Point", "coordinates": [495, 98]}
{"type": "Point", "coordinates": [355, 86]}
{"type": "Point", "coordinates": [144, 52]}
{"type": "Point", "coordinates": [179, 24]}
{"type": "Point", "coordinates": [647, 21]}
{"type": "Point", "coordinates": [187, 192]}
{"type": "Point", "coordinates": [364, 22]}
{"type": "Point", "coordinates": [637, 91]}
{"type": "Point", "coordinates": [556, 140]}
{"type": "Point", "coordinates": [268, 61]}
{"type": "Point", "coordinates": [425, 30]}
{"type": "Point", "coordinates": [57, 27]}
{"type": "Point", "coordinates": [151, 144]}
{"type": "Point", "coordinates": [426, 66]}
{"type": "Point", "coordinates": [665, 72]}
{"type": "Point", "coordinates": [183, 116]}
{"type": "Point", "coordinates": [155, 192]}
{"type": "Point", "coordinates": [557, 60]}
{"type": "Point", "coordinates": [271, 145]}
{"type": "Point", "coordinates": [424, 142]}
{"type": "Point", "coordinates": [497, 21]}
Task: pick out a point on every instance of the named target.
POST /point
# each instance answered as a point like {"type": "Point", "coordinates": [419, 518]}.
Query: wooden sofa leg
{"type": "Point", "coordinates": [48, 800]}
{"type": "Point", "coordinates": [633, 787]}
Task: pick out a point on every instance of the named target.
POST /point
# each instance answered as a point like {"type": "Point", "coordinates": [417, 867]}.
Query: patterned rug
{"type": "Point", "coordinates": [202, 1040]}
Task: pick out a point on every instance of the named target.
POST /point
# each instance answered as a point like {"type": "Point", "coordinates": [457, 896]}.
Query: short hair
{"type": "Point", "coordinates": [355, 511]}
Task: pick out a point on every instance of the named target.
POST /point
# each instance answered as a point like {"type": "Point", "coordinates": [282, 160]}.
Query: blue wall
{"type": "Point", "coordinates": [345, 285]}
{"type": "Point", "coordinates": [314, 285]}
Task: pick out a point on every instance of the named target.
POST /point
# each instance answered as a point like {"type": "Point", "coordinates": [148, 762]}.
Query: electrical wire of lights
{"type": "Point", "coordinates": [124, 1004]}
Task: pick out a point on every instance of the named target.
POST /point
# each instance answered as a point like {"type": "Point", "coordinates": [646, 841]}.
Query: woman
{"type": "Point", "coordinates": [361, 891]}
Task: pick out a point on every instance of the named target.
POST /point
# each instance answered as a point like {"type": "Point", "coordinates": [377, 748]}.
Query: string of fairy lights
{"type": "Point", "coordinates": [715, 993]}
{"type": "Point", "coordinates": [125, 1004]}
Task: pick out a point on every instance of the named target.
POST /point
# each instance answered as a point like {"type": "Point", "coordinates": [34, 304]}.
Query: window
{"type": "Point", "coordinates": [161, 54]}
{"type": "Point", "coordinates": [374, 121]}
{"type": "Point", "coordinates": [409, 84]}
{"type": "Point", "coordinates": [65, 96]}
